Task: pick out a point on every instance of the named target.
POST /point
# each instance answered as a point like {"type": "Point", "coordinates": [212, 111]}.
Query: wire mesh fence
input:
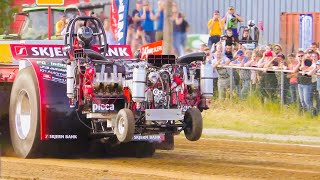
{"type": "Point", "coordinates": [268, 84]}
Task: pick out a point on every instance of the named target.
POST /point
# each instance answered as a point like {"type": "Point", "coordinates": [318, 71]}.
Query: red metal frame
{"type": "Point", "coordinates": [49, 23]}
{"type": "Point", "coordinates": [8, 72]}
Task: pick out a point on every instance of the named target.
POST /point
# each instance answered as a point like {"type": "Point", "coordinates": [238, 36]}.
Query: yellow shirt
{"type": "Point", "coordinates": [216, 29]}
{"type": "Point", "coordinates": [59, 27]}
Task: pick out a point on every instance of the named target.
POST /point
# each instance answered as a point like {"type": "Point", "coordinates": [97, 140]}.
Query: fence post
{"type": "Point", "coordinates": [231, 82]}
{"type": "Point", "coordinates": [282, 88]}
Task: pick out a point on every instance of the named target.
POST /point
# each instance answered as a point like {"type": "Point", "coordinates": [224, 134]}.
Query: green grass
{"type": "Point", "coordinates": [252, 116]}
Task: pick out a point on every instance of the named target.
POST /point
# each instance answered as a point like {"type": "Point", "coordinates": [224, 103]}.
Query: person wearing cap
{"type": "Point", "coordinates": [60, 25]}
{"type": "Point", "coordinates": [231, 20]}
{"type": "Point", "coordinates": [244, 74]}
{"type": "Point", "coordinates": [215, 27]}
{"type": "Point", "coordinates": [223, 74]}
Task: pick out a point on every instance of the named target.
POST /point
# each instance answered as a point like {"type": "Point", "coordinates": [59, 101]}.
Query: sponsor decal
{"type": "Point", "coordinates": [150, 138]}
{"type": "Point", "coordinates": [102, 107]}
{"type": "Point", "coordinates": [119, 10]}
{"type": "Point", "coordinates": [129, 76]}
{"type": "Point", "coordinates": [55, 51]}
{"type": "Point", "coordinates": [152, 48]}
{"type": "Point", "coordinates": [53, 71]}
{"type": "Point", "coordinates": [47, 76]}
{"type": "Point", "coordinates": [21, 50]}
{"type": "Point", "coordinates": [60, 136]}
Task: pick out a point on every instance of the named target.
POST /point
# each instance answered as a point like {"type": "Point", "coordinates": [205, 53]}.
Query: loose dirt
{"type": "Point", "coordinates": [204, 159]}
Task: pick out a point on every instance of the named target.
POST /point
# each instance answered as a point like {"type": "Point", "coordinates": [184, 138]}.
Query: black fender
{"type": "Point", "coordinates": [57, 120]}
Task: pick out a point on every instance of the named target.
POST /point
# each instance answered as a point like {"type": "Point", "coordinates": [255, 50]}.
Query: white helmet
{"type": "Point", "coordinates": [251, 23]}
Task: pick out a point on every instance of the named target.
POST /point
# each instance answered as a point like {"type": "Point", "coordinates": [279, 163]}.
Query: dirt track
{"type": "Point", "coordinates": [205, 159]}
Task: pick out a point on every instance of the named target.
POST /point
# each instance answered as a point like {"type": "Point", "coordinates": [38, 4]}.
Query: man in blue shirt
{"type": "Point", "coordinates": [148, 17]}
{"type": "Point", "coordinates": [245, 75]}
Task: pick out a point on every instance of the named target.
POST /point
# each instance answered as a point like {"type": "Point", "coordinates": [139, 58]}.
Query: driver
{"type": "Point", "coordinates": [85, 37]}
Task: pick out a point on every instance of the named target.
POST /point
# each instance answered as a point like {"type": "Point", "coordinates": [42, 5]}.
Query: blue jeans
{"type": "Point", "coordinates": [305, 96]}
{"type": "Point", "coordinates": [179, 40]}
{"type": "Point", "coordinates": [294, 92]}
{"type": "Point", "coordinates": [213, 40]}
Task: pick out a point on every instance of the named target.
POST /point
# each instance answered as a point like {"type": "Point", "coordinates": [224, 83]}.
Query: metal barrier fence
{"type": "Point", "coordinates": [280, 85]}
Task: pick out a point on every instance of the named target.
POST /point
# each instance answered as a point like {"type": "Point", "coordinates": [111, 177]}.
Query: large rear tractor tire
{"type": "Point", "coordinates": [193, 121]}
{"type": "Point", "coordinates": [125, 125]}
{"type": "Point", "coordinates": [24, 115]}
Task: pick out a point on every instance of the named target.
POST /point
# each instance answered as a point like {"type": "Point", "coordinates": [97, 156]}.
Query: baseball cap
{"type": "Point", "coordinates": [318, 62]}
{"type": "Point", "coordinates": [240, 52]}
{"type": "Point", "coordinates": [216, 12]}
{"type": "Point", "coordinates": [230, 7]}
{"type": "Point", "coordinates": [268, 54]}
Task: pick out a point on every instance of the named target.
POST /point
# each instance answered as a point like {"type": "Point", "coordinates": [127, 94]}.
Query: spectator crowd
{"type": "Point", "coordinates": [259, 69]}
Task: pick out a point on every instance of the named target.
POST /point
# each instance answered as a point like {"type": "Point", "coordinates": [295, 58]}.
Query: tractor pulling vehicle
{"type": "Point", "coordinates": [78, 92]}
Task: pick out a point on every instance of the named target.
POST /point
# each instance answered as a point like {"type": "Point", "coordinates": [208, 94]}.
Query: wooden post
{"type": "Point", "coordinates": [167, 29]}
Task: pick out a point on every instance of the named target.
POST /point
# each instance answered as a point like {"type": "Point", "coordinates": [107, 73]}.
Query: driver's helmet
{"type": "Point", "coordinates": [85, 35]}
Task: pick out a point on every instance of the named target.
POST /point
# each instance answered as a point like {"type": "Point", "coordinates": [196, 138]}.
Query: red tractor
{"type": "Point", "coordinates": [60, 98]}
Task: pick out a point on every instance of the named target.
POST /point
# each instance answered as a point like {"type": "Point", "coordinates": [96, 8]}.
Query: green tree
{"type": "Point", "coordinates": [6, 14]}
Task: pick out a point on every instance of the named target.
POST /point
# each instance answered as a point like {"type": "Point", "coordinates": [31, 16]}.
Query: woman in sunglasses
{"type": "Point", "coordinates": [304, 81]}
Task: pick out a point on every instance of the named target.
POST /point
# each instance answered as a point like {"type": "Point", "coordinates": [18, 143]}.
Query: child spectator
{"type": "Point", "coordinates": [231, 40]}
